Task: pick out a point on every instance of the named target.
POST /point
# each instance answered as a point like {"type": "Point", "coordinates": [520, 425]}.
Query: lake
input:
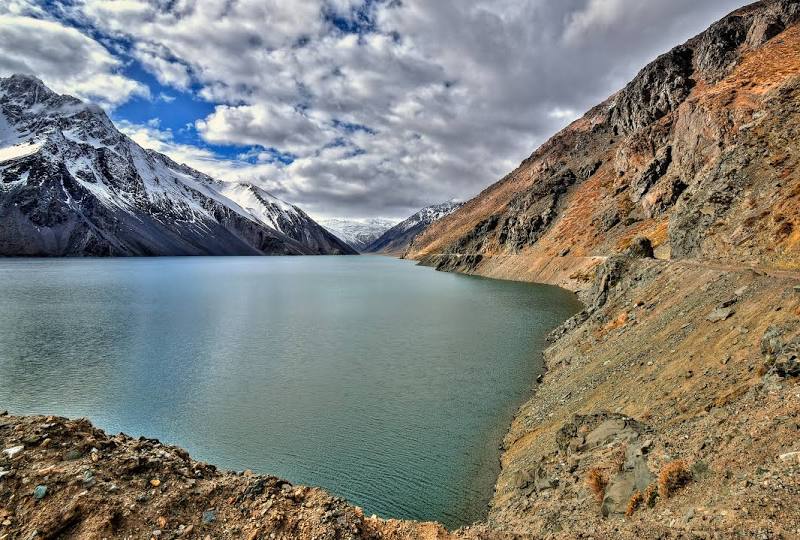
{"type": "Point", "coordinates": [386, 383]}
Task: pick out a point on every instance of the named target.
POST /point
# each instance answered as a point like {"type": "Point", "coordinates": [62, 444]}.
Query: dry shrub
{"type": "Point", "coordinates": [618, 458]}
{"type": "Point", "coordinates": [597, 483]}
{"type": "Point", "coordinates": [650, 495]}
{"type": "Point", "coordinates": [634, 503]}
{"type": "Point", "coordinates": [673, 475]}
{"type": "Point", "coordinates": [784, 230]}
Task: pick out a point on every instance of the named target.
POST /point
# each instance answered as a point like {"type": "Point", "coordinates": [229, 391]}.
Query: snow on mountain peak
{"type": "Point", "coordinates": [65, 167]}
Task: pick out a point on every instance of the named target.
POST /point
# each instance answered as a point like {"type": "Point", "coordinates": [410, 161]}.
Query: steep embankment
{"type": "Point", "coordinates": [674, 210]}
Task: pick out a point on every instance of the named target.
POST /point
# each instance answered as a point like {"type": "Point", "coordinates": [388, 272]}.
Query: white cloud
{"type": "Point", "coordinates": [157, 61]}
{"type": "Point", "coordinates": [273, 125]}
{"type": "Point", "coordinates": [65, 59]}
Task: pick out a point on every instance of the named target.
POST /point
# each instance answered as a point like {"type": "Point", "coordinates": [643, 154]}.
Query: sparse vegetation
{"type": "Point", "coordinates": [673, 476]}
{"type": "Point", "coordinates": [618, 459]}
{"type": "Point", "coordinates": [597, 482]}
{"type": "Point", "coordinates": [650, 495]}
{"type": "Point", "coordinates": [634, 503]}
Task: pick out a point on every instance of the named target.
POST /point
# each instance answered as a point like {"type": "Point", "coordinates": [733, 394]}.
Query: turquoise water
{"type": "Point", "coordinates": [386, 383]}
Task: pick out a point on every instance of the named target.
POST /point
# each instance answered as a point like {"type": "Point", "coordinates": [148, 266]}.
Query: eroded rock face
{"type": "Point", "coordinates": [656, 91]}
{"type": "Point", "coordinates": [719, 48]}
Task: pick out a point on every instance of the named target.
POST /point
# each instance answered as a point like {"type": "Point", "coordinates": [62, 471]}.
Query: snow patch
{"type": "Point", "coordinates": [8, 153]}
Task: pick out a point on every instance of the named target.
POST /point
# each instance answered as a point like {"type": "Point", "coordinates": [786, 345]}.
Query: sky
{"type": "Point", "coordinates": [348, 108]}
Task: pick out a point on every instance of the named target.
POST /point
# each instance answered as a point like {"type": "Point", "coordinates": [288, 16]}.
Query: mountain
{"type": "Point", "coordinates": [688, 154]}
{"type": "Point", "coordinates": [72, 185]}
{"type": "Point", "coordinates": [286, 218]}
{"type": "Point", "coordinates": [397, 239]}
{"type": "Point", "coordinates": [358, 233]}
{"type": "Point", "coordinates": [673, 210]}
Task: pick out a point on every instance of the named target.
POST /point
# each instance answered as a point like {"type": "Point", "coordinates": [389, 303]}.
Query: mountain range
{"type": "Point", "coordinates": [71, 184]}
{"type": "Point", "coordinates": [396, 240]}
{"type": "Point", "coordinates": [358, 233]}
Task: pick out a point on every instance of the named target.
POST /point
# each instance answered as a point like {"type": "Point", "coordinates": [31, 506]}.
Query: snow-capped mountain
{"type": "Point", "coordinates": [284, 217]}
{"type": "Point", "coordinates": [397, 239]}
{"type": "Point", "coordinates": [358, 233]}
{"type": "Point", "coordinates": [71, 184]}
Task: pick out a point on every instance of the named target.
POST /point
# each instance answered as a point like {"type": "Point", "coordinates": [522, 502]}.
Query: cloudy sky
{"type": "Point", "coordinates": [349, 108]}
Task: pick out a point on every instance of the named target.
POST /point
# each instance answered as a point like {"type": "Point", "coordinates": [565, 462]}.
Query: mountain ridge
{"type": "Point", "coordinates": [397, 239]}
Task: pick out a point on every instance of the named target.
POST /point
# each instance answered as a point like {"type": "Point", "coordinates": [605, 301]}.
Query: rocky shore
{"type": "Point", "coordinates": [62, 478]}
{"type": "Point", "coordinates": [672, 366]}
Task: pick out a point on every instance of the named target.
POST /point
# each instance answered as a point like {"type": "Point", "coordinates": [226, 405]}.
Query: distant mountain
{"type": "Point", "coordinates": [286, 218]}
{"type": "Point", "coordinates": [72, 185]}
{"type": "Point", "coordinates": [397, 239]}
{"type": "Point", "coordinates": [358, 233]}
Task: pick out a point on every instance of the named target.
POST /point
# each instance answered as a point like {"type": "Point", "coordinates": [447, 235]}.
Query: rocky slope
{"type": "Point", "coordinates": [358, 233]}
{"type": "Point", "coordinates": [673, 209]}
{"type": "Point", "coordinates": [397, 240]}
{"type": "Point", "coordinates": [72, 184]}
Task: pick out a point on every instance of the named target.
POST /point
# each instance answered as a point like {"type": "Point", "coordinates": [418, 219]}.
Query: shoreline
{"type": "Point", "coordinates": [631, 359]}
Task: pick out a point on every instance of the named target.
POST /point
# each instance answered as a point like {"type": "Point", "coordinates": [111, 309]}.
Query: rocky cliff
{"type": "Point", "coordinates": [72, 185]}
{"type": "Point", "coordinates": [697, 153]}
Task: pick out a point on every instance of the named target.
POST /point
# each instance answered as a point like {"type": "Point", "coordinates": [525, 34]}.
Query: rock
{"type": "Point", "coordinates": [609, 431]}
{"type": "Point", "coordinates": [609, 219]}
{"type": "Point", "coordinates": [39, 492]}
{"type": "Point", "coordinates": [792, 458]}
{"type": "Point", "coordinates": [13, 451]}
{"type": "Point", "coordinates": [73, 454]}
{"type": "Point", "coordinates": [618, 493]}
{"type": "Point", "coordinates": [88, 477]}
{"type": "Point", "coordinates": [658, 89]}
{"type": "Point", "coordinates": [209, 516]}
{"type": "Point", "coordinates": [521, 479]}
{"type": "Point", "coordinates": [652, 173]}
{"type": "Point", "coordinates": [640, 248]}
{"type": "Point", "coordinates": [786, 365]}
{"type": "Point", "coordinates": [720, 314]}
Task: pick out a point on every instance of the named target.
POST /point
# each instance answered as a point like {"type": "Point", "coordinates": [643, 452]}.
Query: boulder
{"type": "Point", "coordinates": [720, 314]}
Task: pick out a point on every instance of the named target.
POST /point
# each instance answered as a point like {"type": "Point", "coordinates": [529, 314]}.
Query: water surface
{"type": "Point", "coordinates": [386, 383]}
